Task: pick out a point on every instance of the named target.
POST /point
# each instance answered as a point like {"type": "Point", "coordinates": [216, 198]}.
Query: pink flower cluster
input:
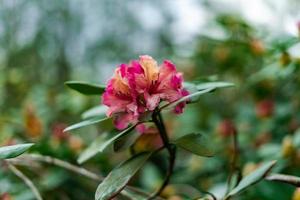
{"type": "Point", "coordinates": [139, 87]}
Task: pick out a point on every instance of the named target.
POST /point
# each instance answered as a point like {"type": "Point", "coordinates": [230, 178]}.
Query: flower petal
{"type": "Point", "coordinates": [150, 68]}
{"type": "Point", "coordinates": [152, 101]}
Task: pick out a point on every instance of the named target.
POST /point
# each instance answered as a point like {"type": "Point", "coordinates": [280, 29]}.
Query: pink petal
{"type": "Point", "coordinates": [141, 128]}
{"type": "Point", "coordinates": [179, 108]}
{"type": "Point", "coordinates": [122, 120]}
{"type": "Point", "coordinates": [152, 101]}
{"type": "Point", "coordinates": [176, 81]}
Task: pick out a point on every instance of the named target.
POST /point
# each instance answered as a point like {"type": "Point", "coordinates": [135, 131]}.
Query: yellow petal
{"type": "Point", "coordinates": [150, 68]}
{"type": "Point", "coordinates": [119, 83]}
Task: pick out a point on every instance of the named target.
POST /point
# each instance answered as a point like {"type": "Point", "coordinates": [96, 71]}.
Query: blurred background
{"type": "Point", "coordinates": [254, 44]}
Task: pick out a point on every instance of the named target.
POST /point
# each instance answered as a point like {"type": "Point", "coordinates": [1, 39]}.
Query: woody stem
{"type": "Point", "coordinates": [158, 120]}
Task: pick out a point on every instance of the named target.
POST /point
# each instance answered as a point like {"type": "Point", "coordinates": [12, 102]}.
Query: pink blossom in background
{"type": "Point", "coordinates": [139, 87]}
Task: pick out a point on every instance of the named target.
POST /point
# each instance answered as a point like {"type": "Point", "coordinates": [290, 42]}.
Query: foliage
{"type": "Point", "coordinates": [261, 110]}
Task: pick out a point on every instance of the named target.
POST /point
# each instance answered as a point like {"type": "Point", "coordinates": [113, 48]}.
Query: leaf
{"type": "Point", "coordinates": [194, 96]}
{"type": "Point", "coordinates": [95, 112]}
{"type": "Point", "coordinates": [204, 86]}
{"type": "Point", "coordinates": [134, 195]}
{"type": "Point", "coordinates": [86, 88]}
{"type": "Point", "coordinates": [86, 123]}
{"type": "Point", "coordinates": [234, 180]}
{"type": "Point", "coordinates": [120, 176]}
{"type": "Point", "coordinates": [109, 142]}
{"type": "Point", "coordinates": [191, 87]}
{"type": "Point", "coordinates": [14, 150]}
{"type": "Point", "coordinates": [125, 142]}
{"type": "Point", "coordinates": [252, 178]}
{"type": "Point", "coordinates": [196, 143]}
{"type": "Point", "coordinates": [93, 149]}
{"type": "Point", "coordinates": [191, 98]}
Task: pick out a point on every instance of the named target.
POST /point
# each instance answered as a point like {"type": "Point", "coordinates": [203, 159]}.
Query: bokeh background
{"type": "Point", "coordinates": [253, 44]}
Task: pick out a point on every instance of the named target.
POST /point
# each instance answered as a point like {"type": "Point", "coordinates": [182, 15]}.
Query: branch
{"type": "Point", "coordinates": [26, 180]}
{"type": "Point", "coordinates": [234, 165]}
{"type": "Point", "coordinates": [70, 167]}
{"type": "Point", "coordinates": [292, 180]}
{"type": "Point", "coordinates": [157, 119]}
{"type": "Point", "coordinates": [63, 164]}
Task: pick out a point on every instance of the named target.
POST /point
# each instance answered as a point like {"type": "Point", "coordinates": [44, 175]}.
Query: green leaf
{"type": "Point", "coordinates": [86, 88]}
{"type": "Point", "coordinates": [252, 178]}
{"type": "Point", "coordinates": [86, 123]}
{"type": "Point", "coordinates": [101, 143]}
{"type": "Point", "coordinates": [191, 87]}
{"type": "Point", "coordinates": [204, 86]}
{"type": "Point", "coordinates": [120, 176]}
{"type": "Point", "coordinates": [13, 150]}
{"type": "Point", "coordinates": [234, 180]}
{"type": "Point", "coordinates": [134, 195]}
{"type": "Point", "coordinates": [191, 98]}
{"type": "Point", "coordinates": [125, 142]}
{"type": "Point", "coordinates": [110, 141]}
{"type": "Point", "coordinates": [93, 148]}
{"type": "Point", "coordinates": [194, 96]}
{"type": "Point", "coordinates": [196, 143]}
{"type": "Point", "coordinates": [95, 112]}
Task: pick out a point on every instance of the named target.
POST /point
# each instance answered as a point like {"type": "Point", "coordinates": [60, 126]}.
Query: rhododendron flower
{"type": "Point", "coordinates": [139, 87]}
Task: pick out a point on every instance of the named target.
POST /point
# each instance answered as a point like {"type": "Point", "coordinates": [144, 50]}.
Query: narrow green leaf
{"type": "Point", "coordinates": [110, 141]}
{"type": "Point", "coordinates": [86, 88]}
{"type": "Point", "coordinates": [252, 178]}
{"type": "Point", "coordinates": [92, 149]}
{"type": "Point", "coordinates": [13, 150]}
{"type": "Point", "coordinates": [125, 142]}
{"type": "Point", "coordinates": [196, 143]}
{"type": "Point", "coordinates": [86, 123]}
{"type": "Point", "coordinates": [191, 98]}
{"type": "Point", "coordinates": [120, 176]}
{"type": "Point", "coordinates": [233, 181]}
{"type": "Point", "coordinates": [194, 96]}
{"type": "Point", "coordinates": [95, 112]}
{"type": "Point", "coordinates": [134, 195]}
{"type": "Point", "coordinates": [191, 87]}
{"type": "Point", "coordinates": [204, 86]}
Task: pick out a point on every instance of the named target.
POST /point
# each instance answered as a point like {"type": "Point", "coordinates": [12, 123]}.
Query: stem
{"type": "Point", "coordinates": [234, 166]}
{"type": "Point", "coordinates": [63, 164]}
{"type": "Point", "coordinates": [67, 166]}
{"type": "Point", "coordinates": [234, 163]}
{"type": "Point", "coordinates": [157, 119]}
{"type": "Point", "coordinates": [26, 180]}
{"type": "Point", "coordinates": [292, 180]}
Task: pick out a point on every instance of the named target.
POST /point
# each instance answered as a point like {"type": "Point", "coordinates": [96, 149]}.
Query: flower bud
{"type": "Point", "coordinates": [249, 167]}
{"type": "Point", "coordinates": [5, 196]}
{"type": "Point", "coordinates": [148, 141]}
{"type": "Point", "coordinates": [293, 125]}
{"type": "Point", "coordinates": [175, 197]}
{"type": "Point", "coordinates": [262, 138]}
{"type": "Point", "coordinates": [75, 143]}
{"type": "Point", "coordinates": [296, 195]}
{"type": "Point", "coordinates": [257, 47]}
{"type": "Point", "coordinates": [33, 124]}
{"type": "Point", "coordinates": [58, 131]}
{"type": "Point", "coordinates": [226, 128]}
{"type": "Point", "coordinates": [221, 53]}
{"type": "Point", "coordinates": [169, 191]}
{"type": "Point", "coordinates": [285, 59]}
{"type": "Point", "coordinates": [265, 108]}
{"type": "Point", "coordinates": [287, 149]}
